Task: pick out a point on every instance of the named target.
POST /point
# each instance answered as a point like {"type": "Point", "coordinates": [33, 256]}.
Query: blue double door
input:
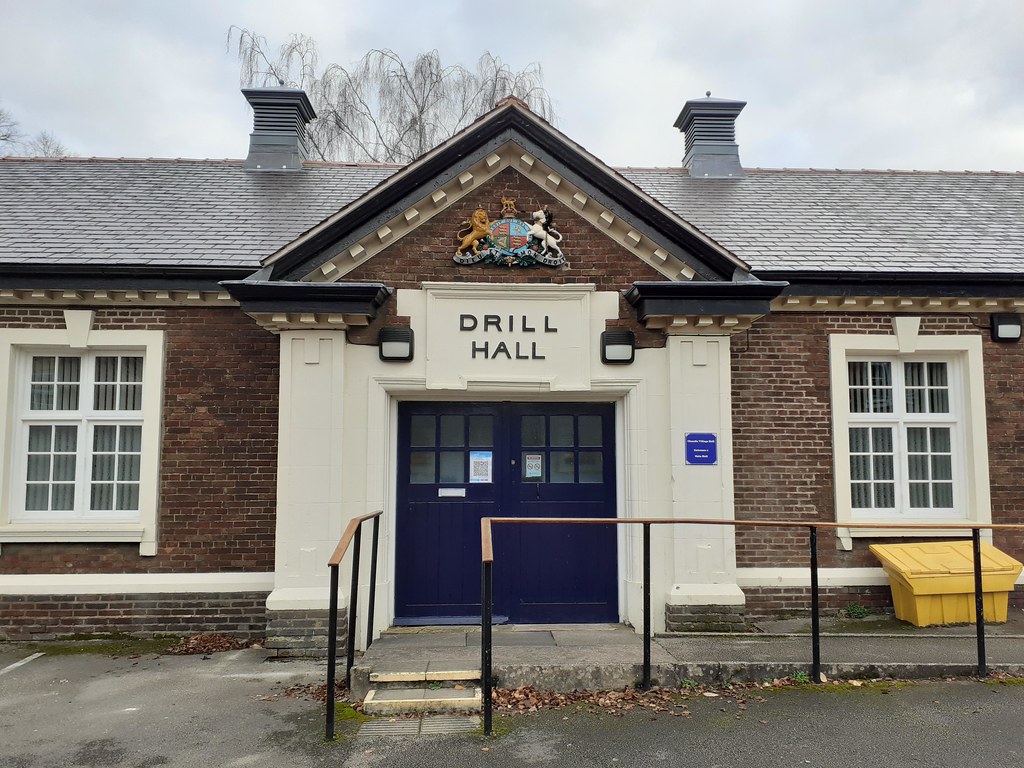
{"type": "Point", "coordinates": [460, 462]}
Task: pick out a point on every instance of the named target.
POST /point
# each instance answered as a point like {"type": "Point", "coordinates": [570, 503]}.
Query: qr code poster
{"type": "Point", "coordinates": [481, 464]}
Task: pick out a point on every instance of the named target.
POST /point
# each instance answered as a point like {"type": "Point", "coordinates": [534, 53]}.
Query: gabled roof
{"type": "Point", "coordinates": [485, 146]}
{"type": "Point", "coordinates": [157, 217]}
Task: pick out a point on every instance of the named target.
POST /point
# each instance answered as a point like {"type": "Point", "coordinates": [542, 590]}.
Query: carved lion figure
{"type": "Point", "coordinates": [474, 231]}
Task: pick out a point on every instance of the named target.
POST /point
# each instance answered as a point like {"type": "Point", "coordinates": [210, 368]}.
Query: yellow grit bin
{"type": "Point", "coordinates": [933, 582]}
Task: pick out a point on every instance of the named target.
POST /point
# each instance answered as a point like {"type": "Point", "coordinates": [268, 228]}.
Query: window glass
{"type": "Point", "coordinates": [421, 467]}
{"type": "Point", "coordinates": [55, 383]}
{"type": "Point", "coordinates": [872, 467]}
{"type": "Point", "coordinates": [533, 430]}
{"type": "Point", "coordinates": [563, 467]}
{"type": "Point", "coordinates": [51, 466]}
{"type": "Point", "coordinates": [422, 431]}
{"type": "Point", "coordinates": [453, 467]}
{"type": "Point", "coordinates": [590, 431]}
{"type": "Point", "coordinates": [900, 458]}
{"type": "Point", "coordinates": [562, 431]}
{"type": "Point", "coordinates": [481, 430]}
{"type": "Point", "coordinates": [453, 432]}
{"type": "Point", "coordinates": [591, 469]}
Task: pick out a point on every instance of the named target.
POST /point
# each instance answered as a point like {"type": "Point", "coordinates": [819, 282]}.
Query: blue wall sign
{"type": "Point", "coordinates": [701, 448]}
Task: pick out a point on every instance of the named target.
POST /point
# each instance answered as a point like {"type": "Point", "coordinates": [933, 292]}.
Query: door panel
{"type": "Point", "coordinates": [459, 463]}
{"type": "Point", "coordinates": [569, 572]}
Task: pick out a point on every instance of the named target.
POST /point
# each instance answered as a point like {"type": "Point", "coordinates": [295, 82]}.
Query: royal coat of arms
{"type": "Point", "coordinates": [510, 241]}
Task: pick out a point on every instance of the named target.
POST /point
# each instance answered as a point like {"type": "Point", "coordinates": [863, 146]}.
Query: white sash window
{"type": "Point", "coordinates": [81, 429]}
{"type": "Point", "coordinates": [82, 436]}
{"type": "Point", "coordinates": [908, 430]}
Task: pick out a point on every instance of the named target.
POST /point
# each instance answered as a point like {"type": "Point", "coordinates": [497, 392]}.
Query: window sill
{"type": "Point", "coordinates": [847, 535]}
{"type": "Point", "coordinates": [61, 533]}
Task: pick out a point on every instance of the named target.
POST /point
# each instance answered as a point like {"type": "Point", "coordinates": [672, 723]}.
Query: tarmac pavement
{"type": "Point", "coordinates": [234, 709]}
{"type": "Point", "coordinates": [230, 710]}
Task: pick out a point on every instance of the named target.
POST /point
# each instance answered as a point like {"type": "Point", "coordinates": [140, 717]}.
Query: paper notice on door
{"type": "Point", "coordinates": [480, 466]}
{"type": "Point", "coordinates": [533, 465]}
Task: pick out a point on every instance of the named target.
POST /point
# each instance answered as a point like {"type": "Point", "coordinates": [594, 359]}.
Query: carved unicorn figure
{"type": "Point", "coordinates": [542, 231]}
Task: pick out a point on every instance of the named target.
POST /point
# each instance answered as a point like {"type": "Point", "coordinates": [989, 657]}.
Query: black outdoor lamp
{"type": "Point", "coordinates": [395, 344]}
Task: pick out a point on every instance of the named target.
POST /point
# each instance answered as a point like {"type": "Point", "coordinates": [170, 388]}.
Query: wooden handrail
{"type": "Point", "coordinates": [487, 578]}
{"type": "Point", "coordinates": [346, 537]}
{"type": "Point", "coordinates": [487, 544]}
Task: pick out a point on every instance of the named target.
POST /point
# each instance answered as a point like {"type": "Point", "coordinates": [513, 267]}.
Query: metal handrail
{"type": "Point", "coordinates": [352, 535]}
{"type": "Point", "coordinates": [487, 580]}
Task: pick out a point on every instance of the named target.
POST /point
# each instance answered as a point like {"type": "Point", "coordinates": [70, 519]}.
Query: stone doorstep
{"type": "Point", "coordinates": [393, 701]}
{"type": "Point", "coordinates": [438, 670]}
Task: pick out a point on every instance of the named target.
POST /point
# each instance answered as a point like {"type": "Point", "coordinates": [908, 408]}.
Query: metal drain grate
{"type": "Point", "coordinates": [421, 726]}
{"type": "Point", "coordinates": [449, 724]}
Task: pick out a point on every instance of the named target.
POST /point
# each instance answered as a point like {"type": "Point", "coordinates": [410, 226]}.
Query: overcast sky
{"type": "Point", "coordinates": [927, 84]}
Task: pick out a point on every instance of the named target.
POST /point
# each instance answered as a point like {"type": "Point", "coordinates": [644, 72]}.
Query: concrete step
{"type": "Point", "coordinates": [398, 701]}
{"type": "Point", "coordinates": [426, 672]}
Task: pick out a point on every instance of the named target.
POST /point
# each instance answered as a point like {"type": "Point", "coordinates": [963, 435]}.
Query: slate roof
{"type": "Point", "coordinates": [164, 213]}
{"type": "Point", "coordinates": [212, 214]}
{"type": "Point", "coordinates": [814, 221]}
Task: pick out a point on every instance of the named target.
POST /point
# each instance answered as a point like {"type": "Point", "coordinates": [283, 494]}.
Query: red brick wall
{"type": "Point", "coordinates": [26, 617]}
{"type": "Point", "coordinates": [426, 253]}
{"type": "Point", "coordinates": [219, 448]}
{"type": "Point", "coordinates": [783, 432]}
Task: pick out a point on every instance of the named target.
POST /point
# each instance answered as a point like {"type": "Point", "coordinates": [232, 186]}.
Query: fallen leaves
{"type": "Point", "coordinates": [204, 644]}
{"type": "Point", "coordinates": [528, 699]}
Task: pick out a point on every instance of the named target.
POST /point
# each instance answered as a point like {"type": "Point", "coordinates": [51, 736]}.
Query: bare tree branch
{"type": "Point", "coordinates": [45, 144]}
{"type": "Point", "coordinates": [14, 142]}
{"type": "Point", "coordinates": [10, 131]}
{"type": "Point", "coordinates": [382, 109]}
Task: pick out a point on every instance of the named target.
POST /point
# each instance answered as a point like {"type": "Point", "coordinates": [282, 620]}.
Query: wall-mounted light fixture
{"type": "Point", "coordinates": [395, 344]}
{"type": "Point", "coordinates": [618, 347]}
{"type": "Point", "coordinates": [1006, 327]}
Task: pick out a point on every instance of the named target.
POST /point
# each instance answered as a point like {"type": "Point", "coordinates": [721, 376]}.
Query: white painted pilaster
{"type": "Point", "coordinates": [309, 467]}
{"type": "Point", "coordinates": [700, 385]}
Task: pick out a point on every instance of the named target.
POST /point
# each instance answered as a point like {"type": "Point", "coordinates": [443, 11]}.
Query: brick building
{"type": "Point", "coordinates": [209, 367]}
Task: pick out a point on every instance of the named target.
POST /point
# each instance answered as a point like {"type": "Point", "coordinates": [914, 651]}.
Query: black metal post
{"type": "Point", "coordinates": [373, 581]}
{"type": "Point", "coordinates": [815, 610]}
{"type": "Point", "coordinates": [979, 602]}
{"type": "Point", "coordinates": [332, 650]}
{"type": "Point", "coordinates": [487, 608]}
{"type": "Point", "coordinates": [646, 683]}
{"type": "Point", "coordinates": [353, 601]}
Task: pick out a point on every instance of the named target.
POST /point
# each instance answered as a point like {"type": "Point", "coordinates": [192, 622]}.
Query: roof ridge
{"type": "Point", "coordinates": [850, 171]}
{"type": "Point", "coordinates": [185, 160]}
{"type": "Point", "coordinates": [95, 159]}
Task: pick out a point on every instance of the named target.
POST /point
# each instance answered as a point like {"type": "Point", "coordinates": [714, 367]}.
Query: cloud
{"type": "Point", "coordinates": [873, 83]}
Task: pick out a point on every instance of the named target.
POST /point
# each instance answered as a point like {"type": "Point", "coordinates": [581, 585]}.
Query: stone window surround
{"type": "Point", "coordinates": [966, 352]}
{"type": "Point", "coordinates": [78, 334]}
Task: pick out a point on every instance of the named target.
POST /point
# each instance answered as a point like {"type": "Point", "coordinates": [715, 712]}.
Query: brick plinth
{"type": "Point", "coordinates": [303, 634]}
{"type": "Point", "coordinates": [49, 617]}
{"type": "Point", "coordinates": [705, 618]}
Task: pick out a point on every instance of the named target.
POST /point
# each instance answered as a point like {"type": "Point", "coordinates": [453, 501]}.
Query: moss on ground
{"type": "Point", "coordinates": [100, 645]}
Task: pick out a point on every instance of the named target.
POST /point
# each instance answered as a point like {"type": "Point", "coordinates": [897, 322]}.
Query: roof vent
{"type": "Point", "coordinates": [278, 141]}
{"type": "Point", "coordinates": [709, 126]}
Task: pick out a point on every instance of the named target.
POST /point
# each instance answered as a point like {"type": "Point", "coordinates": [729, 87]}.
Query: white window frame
{"type": "Point", "coordinates": [17, 347]}
{"type": "Point", "coordinates": [963, 354]}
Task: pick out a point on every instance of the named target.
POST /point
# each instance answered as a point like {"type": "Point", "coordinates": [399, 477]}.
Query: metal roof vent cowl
{"type": "Point", "coordinates": [709, 127]}
{"type": "Point", "coordinates": [278, 141]}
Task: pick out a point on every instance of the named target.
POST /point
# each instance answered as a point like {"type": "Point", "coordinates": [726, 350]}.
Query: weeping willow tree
{"type": "Point", "coordinates": [383, 109]}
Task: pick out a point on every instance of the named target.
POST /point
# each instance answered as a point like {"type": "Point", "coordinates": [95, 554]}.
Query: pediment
{"type": "Point", "coordinates": [509, 139]}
